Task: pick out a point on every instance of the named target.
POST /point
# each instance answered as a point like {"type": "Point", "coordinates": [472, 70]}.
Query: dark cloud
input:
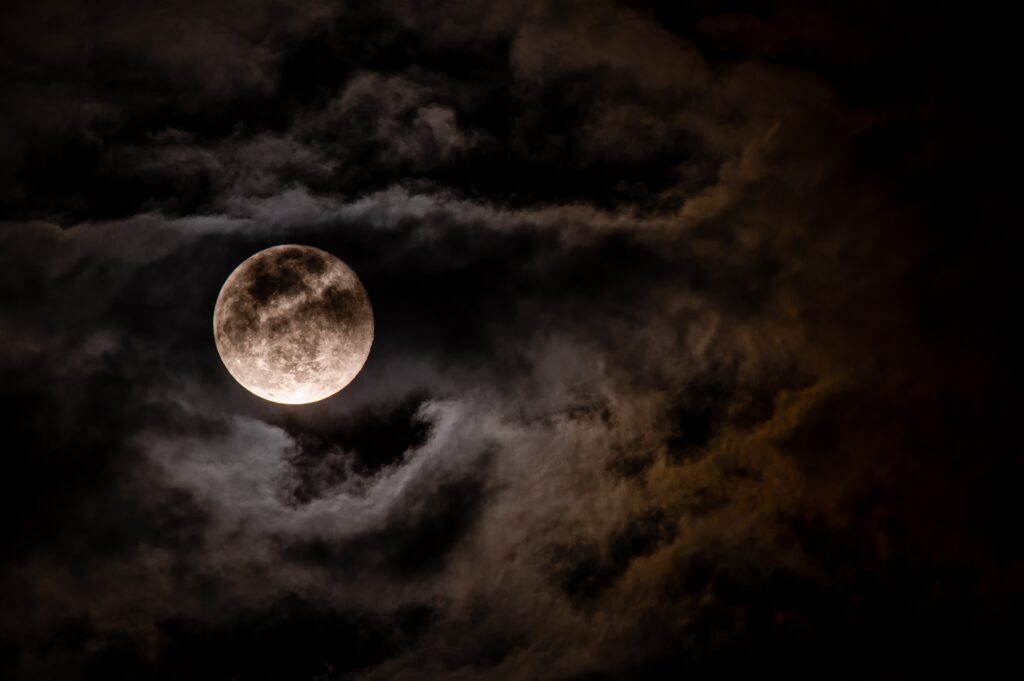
{"type": "Point", "coordinates": [591, 569]}
{"type": "Point", "coordinates": [695, 355]}
{"type": "Point", "coordinates": [416, 536]}
{"type": "Point", "coordinates": [288, 637]}
{"type": "Point", "coordinates": [328, 452]}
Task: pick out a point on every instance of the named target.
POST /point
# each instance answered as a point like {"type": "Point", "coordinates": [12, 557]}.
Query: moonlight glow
{"type": "Point", "coordinates": [293, 324]}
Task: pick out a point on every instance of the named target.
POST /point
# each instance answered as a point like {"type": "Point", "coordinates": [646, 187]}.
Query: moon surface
{"type": "Point", "coordinates": [293, 324]}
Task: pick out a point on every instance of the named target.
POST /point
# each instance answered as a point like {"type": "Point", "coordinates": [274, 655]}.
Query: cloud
{"type": "Point", "coordinates": [678, 370]}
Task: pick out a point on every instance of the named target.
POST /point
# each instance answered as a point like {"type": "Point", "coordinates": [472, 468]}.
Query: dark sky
{"type": "Point", "coordinates": [696, 351]}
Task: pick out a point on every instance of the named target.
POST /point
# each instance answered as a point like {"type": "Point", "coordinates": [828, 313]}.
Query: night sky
{"type": "Point", "coordinates": [696, 357]}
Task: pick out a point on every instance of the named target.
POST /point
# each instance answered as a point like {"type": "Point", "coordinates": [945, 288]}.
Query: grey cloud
{"type": "Point", "coordinates": [562, 39]}
{"type": "Point", "coordinates": [659, 385]}
{"type": "Point", "coordinates": [546, 486]}
{"type": "Point", "coordinates": [408, 121]}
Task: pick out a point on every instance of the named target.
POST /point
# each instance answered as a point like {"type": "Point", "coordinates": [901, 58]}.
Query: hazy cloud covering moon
{"type": "Point", "coordinates": [293, 324]}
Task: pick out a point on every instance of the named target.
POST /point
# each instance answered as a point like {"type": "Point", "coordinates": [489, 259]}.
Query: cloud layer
{"type": "Point", "coordinates": [693, 357]}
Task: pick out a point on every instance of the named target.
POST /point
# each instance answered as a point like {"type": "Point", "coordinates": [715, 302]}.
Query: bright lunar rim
{"type": "Point", "coordinates": [293, 324]}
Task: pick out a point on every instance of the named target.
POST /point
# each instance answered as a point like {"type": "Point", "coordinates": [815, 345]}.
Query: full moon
{"type": "Point", "coordinates": [293, 324]}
